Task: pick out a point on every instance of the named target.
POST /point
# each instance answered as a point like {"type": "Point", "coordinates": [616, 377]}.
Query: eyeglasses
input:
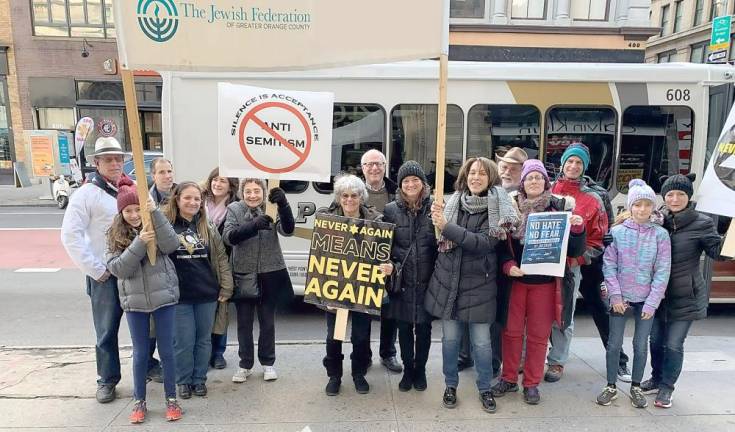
{"type": "Point", "coordinates": [535, 178]}
{"type": "Point", "coordinates": [373, 164]}
{"type": "Point", "coordinates": [346, 196]}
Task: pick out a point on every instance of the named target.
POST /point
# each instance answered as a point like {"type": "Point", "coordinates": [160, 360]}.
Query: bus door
{"type": "Point", "coordinates": [719, 276]}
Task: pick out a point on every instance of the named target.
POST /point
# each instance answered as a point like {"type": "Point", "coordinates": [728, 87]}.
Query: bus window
{"type": "Point", "coordinates": [293, 186]}
{"type": "Point", "coordinates": [656, 141]}
{"type": "Point", "coordinates": [594, 126]}
{"type": "Point", "coordinates": [356, 128]}
{"type": "Point", "coordinates": [494, 129]}
{"type": "Point", "coordinates": [413, 137]}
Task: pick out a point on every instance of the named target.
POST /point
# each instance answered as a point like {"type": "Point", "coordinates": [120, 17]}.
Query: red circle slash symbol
{"type": "Point", "coordinates": [251, 116]}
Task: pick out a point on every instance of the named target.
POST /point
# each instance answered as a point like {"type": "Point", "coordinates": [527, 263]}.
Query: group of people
{"type": "Point", "coordinates": [493, 316]}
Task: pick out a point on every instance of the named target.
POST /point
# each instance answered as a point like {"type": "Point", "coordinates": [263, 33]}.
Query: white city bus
{"type": "Point", "coordinates": [639, 120]}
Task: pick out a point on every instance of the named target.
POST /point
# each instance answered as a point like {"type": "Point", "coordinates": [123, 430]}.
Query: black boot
{"type": "Point", "coordinates": [361, 384]}
{"type": "Point", "coordinates": [333, 386]}
{"type": "Point", "coordinates": [407, 379]}
{"type": "Point", "coordinates": [419, 378]}
{"type": "Point", "coordinates": [333, 363]}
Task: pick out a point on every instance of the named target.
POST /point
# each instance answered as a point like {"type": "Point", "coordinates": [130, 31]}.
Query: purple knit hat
{"type": "Point", "coordinates": [534, 165]}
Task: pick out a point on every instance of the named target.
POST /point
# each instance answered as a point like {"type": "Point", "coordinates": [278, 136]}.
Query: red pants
{"type": "Point", "coordinates": [531, 312]}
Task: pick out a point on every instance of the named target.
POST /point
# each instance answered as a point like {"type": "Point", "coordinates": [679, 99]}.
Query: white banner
{"type": "Point", "coordinates": [274, 133]}
{"type": "Point", "coordinates": [198, 35]}
{"type": "Point", "coordinates": [716, 193]}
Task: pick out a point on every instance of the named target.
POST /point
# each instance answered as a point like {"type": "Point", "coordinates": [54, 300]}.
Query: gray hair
{"type": "Point", "coordinates": [348, 183]}
{"type": "Point", "coordinates": [371, 151]}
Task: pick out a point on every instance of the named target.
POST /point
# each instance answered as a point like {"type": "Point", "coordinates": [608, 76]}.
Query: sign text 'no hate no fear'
{"type": "Point", "coordinates": [274, 133]}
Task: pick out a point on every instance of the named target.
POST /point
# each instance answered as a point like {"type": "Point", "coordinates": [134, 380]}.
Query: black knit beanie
{"type": "Point", "coordinates": [678, 182]}
{"type": "Point", "coordinates": [411, 168]}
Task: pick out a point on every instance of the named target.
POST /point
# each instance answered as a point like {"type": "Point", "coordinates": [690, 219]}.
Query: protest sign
{"type": "Point", "coordinates": [271, 35]}
{"type": "Point", "coordinates": [545, 247]}
{"type": "Point", "coordinates": [716, 193]}
{"type": "Point", "coordinates": [344, 258]}
{"type": "Point", "coordinates": [284, 134]}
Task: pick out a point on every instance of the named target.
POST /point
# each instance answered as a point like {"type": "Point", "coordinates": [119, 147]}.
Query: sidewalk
{"type": "Point", "coordinates": [29, 196]}
{"type": "Point", "coordinates": [54, 389]}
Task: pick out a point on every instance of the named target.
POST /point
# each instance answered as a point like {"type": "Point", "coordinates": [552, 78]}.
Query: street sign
{"type": "Point", "coordinates": [717, 57]}
{"type": "Point", "coordinates": [720, 38]}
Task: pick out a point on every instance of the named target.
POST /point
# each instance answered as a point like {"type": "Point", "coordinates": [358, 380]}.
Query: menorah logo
{"type": "Point", "coordinates": [158, 19]}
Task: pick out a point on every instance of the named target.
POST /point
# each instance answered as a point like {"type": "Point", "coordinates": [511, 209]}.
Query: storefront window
{"type": "Point", "coordinates": [595, 127]}
{"type": "Point", "coordinates": [56, 118]}
{"type": "Point", "coordinates": [467, 9]}
{"type": "Point", "coordinates": [107, 123]}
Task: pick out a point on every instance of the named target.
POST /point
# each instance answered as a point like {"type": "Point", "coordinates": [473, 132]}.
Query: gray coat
{"type": "Point", "coordinates": [261, 251]}
{"type": "Point", "coordinates": [463, 286]}
{"type": "Point", "coordinates": [144, 287]}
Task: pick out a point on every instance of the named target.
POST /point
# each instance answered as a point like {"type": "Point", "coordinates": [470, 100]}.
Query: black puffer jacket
{"type": "Point", "coordinates": [692, 233]}
{"type": "Point", "coordinates": [414, 237]}
{"type": "Point", "coordinates": [463, 286]}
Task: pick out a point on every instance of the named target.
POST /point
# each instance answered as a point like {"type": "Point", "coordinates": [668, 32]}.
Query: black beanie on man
{"type": "Point", "coordinates": [678, 182]}
{"type": "Point", "coordinates": [411, 168]}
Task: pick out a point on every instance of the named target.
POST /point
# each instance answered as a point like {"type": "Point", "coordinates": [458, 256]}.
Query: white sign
{"type": "Point", "coordinates": [545, 246]}
{"type": "Point", "coordinates": [274, 133]}
{"type": "Point", "coordinates": [198, 35]}
{"type": "Point", "coordinates": [716, 193]}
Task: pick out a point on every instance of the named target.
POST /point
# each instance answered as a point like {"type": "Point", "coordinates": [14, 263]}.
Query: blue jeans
{"type": "Point", "coordinates": [640, 342]}
{"type": "Point", "coordinates": [481, 349]}
{"type": "Point", "coordinates": [139, 325]}
{"type": "Point", "coordinates": [106, 314]}
{"type": "Point", "coordinates": [667, 350]}
{"type": "Point", "coordinates": [561, 341]}
{"type": "Point", "coordinates": [193, 341]}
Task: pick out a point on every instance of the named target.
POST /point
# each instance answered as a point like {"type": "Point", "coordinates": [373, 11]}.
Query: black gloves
{"type": "Point", "coordinates": [263, 222]}
{"type": "Point", "coordinates": [278, 196]}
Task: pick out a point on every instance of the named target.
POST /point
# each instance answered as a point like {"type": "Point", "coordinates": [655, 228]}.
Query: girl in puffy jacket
{"type": "Point", "coordinates": [636, 267]}
{"type": "Point", "coordinates": [145, 290]}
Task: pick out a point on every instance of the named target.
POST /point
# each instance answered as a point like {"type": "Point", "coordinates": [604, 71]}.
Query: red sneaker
{"type": "Point", "coordinates": [173, 410]}
{"type": "Point", "coordinates": [139, 411]}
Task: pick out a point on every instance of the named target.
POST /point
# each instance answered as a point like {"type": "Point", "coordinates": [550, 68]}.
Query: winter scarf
{"type": "Point", "coordinates": [501, 215]}
{"type": "Point", "coordinates": [216, 212]}
{"type": "Point", "coordinates": [527, 206]}
{"type": "Point", "coordinates": [98, 180]}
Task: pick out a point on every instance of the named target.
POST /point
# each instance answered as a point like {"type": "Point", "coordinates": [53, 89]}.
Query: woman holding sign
{"type": "Point", "coordinates": [256, 252]}
{"type": "Point", "coordinates": [350, 197]}
{"type": "Point", "coordinates": [463, 288]}
{"type": "Point", "coordinates": [413, 255]}
{"type": "Point", "coordinates": [535, 300]}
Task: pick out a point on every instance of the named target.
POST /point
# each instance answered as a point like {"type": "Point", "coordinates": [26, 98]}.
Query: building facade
{"type": "Point", "coordinates": [550, 30]}
{"type": "Point", "coordinates": [685, 28]}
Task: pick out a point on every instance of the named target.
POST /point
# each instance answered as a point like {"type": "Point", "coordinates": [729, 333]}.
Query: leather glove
{"type": "Point", "coordinates": [263, 222]}
{"type": "Point", "coordinates": [278, 196]}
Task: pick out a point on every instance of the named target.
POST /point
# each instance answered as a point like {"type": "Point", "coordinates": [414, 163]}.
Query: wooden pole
{"type": "Point", "coordinates": [728, 248]}
{"type": "Point", "coordinates": [136, 143]}
{"type": "Point", "coordinates": [340, 325]}
{"type": "Point", "coordinates": [271, 209]}
{"type": "Point", "coordinates": [441, 131]}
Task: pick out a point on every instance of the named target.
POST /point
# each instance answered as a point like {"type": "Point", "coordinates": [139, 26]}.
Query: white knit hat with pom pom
{"type": "Point", "coordinates": [638, 190]}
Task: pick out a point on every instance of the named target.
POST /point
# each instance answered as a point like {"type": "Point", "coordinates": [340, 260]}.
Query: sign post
{"type": "Point", "coordinates": [441, 125]}
{"type": "Point", "coordinates": [719, 42]}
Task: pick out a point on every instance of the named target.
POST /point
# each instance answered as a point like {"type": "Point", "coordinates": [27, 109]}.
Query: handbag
{"type": "Point", "coordinates": [396, 285]}
{"type": "Point", "coordinates": [246, 286]}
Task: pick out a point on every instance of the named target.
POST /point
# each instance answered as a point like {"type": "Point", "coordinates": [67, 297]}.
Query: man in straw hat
{"type": "Point", "coordinates": [86, 221]}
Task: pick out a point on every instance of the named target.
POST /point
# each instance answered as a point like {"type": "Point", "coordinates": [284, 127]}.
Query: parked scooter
{"type": "Point", "coordinates": [62, 189]}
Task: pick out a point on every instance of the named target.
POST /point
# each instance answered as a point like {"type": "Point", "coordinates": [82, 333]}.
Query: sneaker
{"type": "Point", "coordinates": [637, 398]}
{"type": "Point", "coordinates": [199, 389]}
{"type": "Point", "coordinates": [333, 385]}
{"type": "Point", "coordinates": [218, 362]}
{"type": "Point", "coordinates": [663, 398]}
{"type": "Point", "coordinates": [241, 375]}
{"type": "Point", "coordinates": [105, 393]}
{"type": "Point", "coordinates": [554, 373]}
{"type": "Point", "coordinates": [184, 391]}
{"type": "Point", "coordinates": [624, 374]}
{"type": "Point", "coordinates": [139, 411]}
{"type": "Point", "coordinates": [649, 386]}
{"type": "Point", "coordinates": [173, 410]}
{"type": "Point", "coordinates": [608, 395]}
{"type": "Point", "coordinates": [155, 374]}
{"type": "Point", "coordinates": [449, 400]}
{"type": "Point", "coordinates": [488, 402]}
{"type": "Point", "coordinates": [419, 380]}
{"type": "Point", "coordinates": [269, 373]}
{"type": "Point", "coordinates": [531, 395]}
{"type": "Point", "coordinates": [392, 364]}
{"type": "Point", "coordinates": [361, 384]}
{"type": "Point", "coordinates": [503, 387]}
{"type": "Point", "coordinates": [406, 382]}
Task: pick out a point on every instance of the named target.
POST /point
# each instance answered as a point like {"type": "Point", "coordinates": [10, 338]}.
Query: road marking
{"type": "Point", "coordinates": [32, 213]}
{"type": "Point", "coordinates": [37, 270]}
{"type": "Point", "coordinates": [30, 229]}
